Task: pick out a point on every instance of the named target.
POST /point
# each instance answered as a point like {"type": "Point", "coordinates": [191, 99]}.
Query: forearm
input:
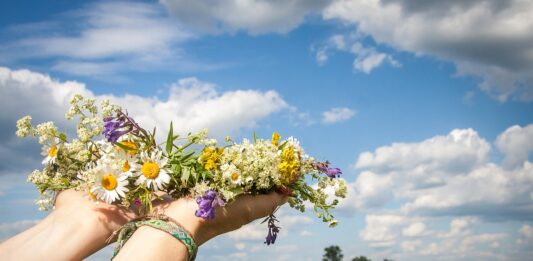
{"type": "Point", "coordinates": [62, 235]}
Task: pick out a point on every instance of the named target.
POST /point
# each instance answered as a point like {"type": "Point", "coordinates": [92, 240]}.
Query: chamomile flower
{"type": "Point", "coordinates": [49, 151]}
{"type": "Point", "coordinates": [127, 163]}
{"type": "Point", "coordinates": [110, 185]}
{"type": "Point", "coordinates": [231, 174]}
{"type": "Point", "coordinates": [153, 173]}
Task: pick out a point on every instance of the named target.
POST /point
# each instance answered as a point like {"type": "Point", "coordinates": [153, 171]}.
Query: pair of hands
{"type": "Point", "coordinates": [103, 218]}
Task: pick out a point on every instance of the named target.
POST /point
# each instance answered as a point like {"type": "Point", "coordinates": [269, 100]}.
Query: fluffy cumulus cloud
{"type": "Point", "coordinates": [516, 143]}
{"type": "Point", "coordinates": [94, 41]}
{"type": "Point", "coordinates": [337, 115]}
{"type": "Point", "coordinates": [490, 39]}
{"type": "Point", "coordinates": [191, 104]}
{"type": "Point", "coordinates": [253, 16]}
{"type": "Point", "coordinates": [424, 183]}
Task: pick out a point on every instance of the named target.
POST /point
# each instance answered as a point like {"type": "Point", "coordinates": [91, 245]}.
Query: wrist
{"type": "Point", "coordinates": [148, 243]}
{"type": "Point", "coordinates": [181, 212]}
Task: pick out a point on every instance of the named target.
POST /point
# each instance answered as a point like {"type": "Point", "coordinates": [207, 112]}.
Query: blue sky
{"type": "Point", "coordinates": [426, 107]}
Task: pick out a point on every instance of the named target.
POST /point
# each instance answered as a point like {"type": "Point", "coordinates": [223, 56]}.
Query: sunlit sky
{"type": "Point", "coordinates": [425, 105]}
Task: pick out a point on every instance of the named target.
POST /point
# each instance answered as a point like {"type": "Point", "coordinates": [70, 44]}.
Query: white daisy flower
{"type": "Point", "coordinates": [49, 151]}
{"type": "Point", "coordinates": [152, 173]}
{"type": "Point", "coordinates": [110, 185]}
{"type": "Point", "coordinates": [127, 163]}
{"type": "Point", "coordinates": [231, 173]}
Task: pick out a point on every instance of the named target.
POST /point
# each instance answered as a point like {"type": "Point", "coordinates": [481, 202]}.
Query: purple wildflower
{"type": "Point", "coordinates": [115, 127]}
{"type": "Point", "coordinates": [120, 124]}
{"type": "Point", "coordinates": [333, 172]}
{"type": "Point", "coordinates": [321, 166]}
{"type": "Point", "coordinates": [273, 230]}
{"type": "Point", "coordinates": [324, 168]}
{"type": "Point", "coordinates": [207, 204]}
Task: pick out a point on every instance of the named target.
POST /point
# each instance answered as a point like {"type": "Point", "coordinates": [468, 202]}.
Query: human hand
{"type": "Point", "coordinates": [245, 209]}
{"type": "Point", "coordinates": [77, 227]}
{"type": "Point", "coordinates": [106, 218]}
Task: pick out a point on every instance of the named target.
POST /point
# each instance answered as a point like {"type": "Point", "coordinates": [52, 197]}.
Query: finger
{"type": "Point", "coordinates": [257, 206]}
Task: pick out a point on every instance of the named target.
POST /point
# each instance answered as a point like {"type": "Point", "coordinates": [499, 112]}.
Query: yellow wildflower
{"type": "Point", "coordinates": [210, 157]}
{"type": "Point", "coordinates": [275, 138]}
{"type": "Point", "coordinates": [289, 166]}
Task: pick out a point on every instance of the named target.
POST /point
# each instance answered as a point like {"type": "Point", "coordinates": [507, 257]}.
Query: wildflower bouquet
{"type": "Point", "coordinates": [115, 160]}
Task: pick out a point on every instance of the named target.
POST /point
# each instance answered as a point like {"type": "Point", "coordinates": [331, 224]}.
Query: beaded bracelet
{"type": "Point", "coordinates": [157, 222]}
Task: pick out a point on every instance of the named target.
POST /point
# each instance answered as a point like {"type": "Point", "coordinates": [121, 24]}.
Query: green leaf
{"type": "Point", "coordinates": [255, 137]}
{"type": "Point", "coordinates": [187, 156]}
{"type": "Point", "coordinates": [63, 137]}
{"type": "Point", "coordinates": [170, 139]}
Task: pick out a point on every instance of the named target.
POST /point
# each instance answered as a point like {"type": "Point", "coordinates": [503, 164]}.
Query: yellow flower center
{"type": "Point", "coordinates": [109, 182]}
{"type": "Point", "coordinates": [234, 176]}
{"type": "Point", "coordinates": [150, 170]}
{"type": "Point", "coordinates": [126, 167]}
{"type": "Point", "coordinates": [52, 152]}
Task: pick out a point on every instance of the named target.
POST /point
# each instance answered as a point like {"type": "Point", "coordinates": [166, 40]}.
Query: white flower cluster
{"type": "Point", "coordinates": [254, 166]}
{"type": "Point", "coordinates": [24, 126]}
{"type": "Point", "coordinates": [46, 200]}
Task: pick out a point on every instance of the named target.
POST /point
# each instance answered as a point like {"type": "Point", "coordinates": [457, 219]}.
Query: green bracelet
{"type": "Point", "coordinates": [179, 233]}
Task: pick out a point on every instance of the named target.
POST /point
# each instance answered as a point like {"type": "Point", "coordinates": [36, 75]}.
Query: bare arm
{"type": "Point", "coordinates": [151, 244]}
{"type": "Point", "coordinates": [76, 229]}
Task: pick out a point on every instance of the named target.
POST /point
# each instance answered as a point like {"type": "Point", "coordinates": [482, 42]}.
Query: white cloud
{"type": "Point", "coordinates": [459, 151]}
{"type": "Point", "coordinates": [422, 184]}
{"type": "Point", "coordinates": [525, 237]}
{"type": "Point", "coordinates": [379, 229]}
{"type": "Point", "coordinates": [306, 233]}
{"type": "Point", "coordinates": [415, 229]}
{"type": "Point", "coordinates": [95, 42]}
{"type": "Point", "coordinates": [369, 190]}
{"type": "Point", "coordinates": [411, 246]}
{"type": "Point", "coordinates": [516, 143]}
{"type": "Point", "coordinates": [258, 231]}
{"type": "Point", "coordinates": [335, 115]}
{"type": "Point", "coordinates": [489, 38]}
{"type": "Point", "coordinates": [191, 105]}
{"type": "Point", "coordinates": [430, 177]}
{"type": "Point", "coordinates": [255, 17]}
{"type": "Point", "coordinates": [366, 58]}
{"type": "Point", "coordinates": [526, 231]}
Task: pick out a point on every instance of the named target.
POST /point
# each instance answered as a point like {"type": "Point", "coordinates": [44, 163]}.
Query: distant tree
{"type": "Point", "coordinates": [386, 259]}
{"type": "Point", "coordinates": [361, 258]}
{"type": "Point", "coordinates": [332, 253]}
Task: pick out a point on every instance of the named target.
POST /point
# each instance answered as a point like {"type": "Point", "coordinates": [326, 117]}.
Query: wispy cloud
{"type": "Point", "coordinates": [104, 39]}
{"type": "Point", "coordinates": [367, 58]}
{"type": "Point", "coordinates": [254, 17]}
{"type": "Point", "coordinates": [337, 115]}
